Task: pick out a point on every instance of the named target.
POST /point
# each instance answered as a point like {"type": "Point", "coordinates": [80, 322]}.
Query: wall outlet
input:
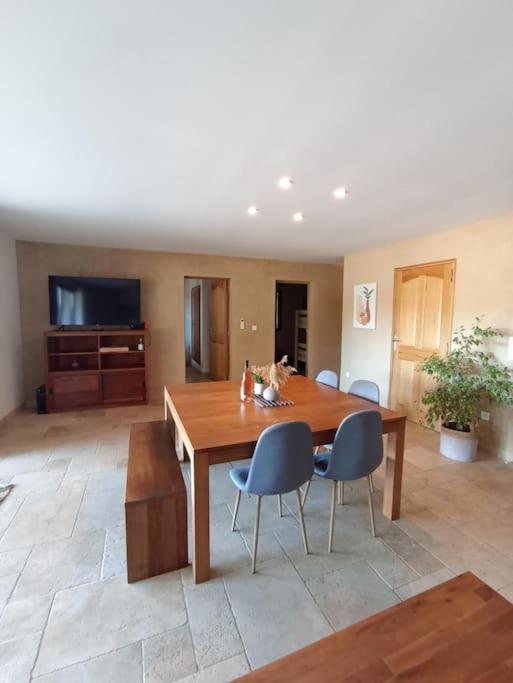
{"type": "Point", "coordinates": [348, 374]}
{"type": "Point", "coordinates": [485, 415]}
{"type": "Point", "coordinates": [242, 324]}
{"type": "Point", "coordinates": [253, 328]}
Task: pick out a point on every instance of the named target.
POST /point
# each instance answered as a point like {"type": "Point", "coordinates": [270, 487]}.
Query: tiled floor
{"type": "Point", "coordinates": [68, 614]}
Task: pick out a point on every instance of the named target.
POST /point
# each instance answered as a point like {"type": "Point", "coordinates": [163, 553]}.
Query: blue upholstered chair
{"type": "Point", "coordinates": [328, 377]}
{"type": "Point", "coordinates": [363, 388]}
{"type": "Point", "coordinates": [282, 462]}
{"type": "Point", "coordinates": [357, 451]}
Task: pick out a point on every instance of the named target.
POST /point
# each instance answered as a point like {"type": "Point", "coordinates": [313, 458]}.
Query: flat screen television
{"type": "Point", "coordinates": [94, 301]}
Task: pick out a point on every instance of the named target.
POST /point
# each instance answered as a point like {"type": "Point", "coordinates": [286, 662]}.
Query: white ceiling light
{"type": "Point", "coordinates": [340, 193]}
{"type": "Point", "coordinates": [252, 211]}
{"type": "Point", "coordinates": [298, 217]}
{"type": "Point", "coordinates": [285, 183]}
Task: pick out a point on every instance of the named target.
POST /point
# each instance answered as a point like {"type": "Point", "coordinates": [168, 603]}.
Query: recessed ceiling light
{"type": "Point", "coordinates": [252, 211]}
{"type": "Point", "coordinates": [340, 193]}
{"type": "Point", "coordinates": [285, 183]}
{"type": "Point", "coordinates": [298, 217]}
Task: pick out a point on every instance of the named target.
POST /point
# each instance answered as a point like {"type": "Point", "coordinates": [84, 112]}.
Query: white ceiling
{"type": "Point", "coordinates": [155, 124]}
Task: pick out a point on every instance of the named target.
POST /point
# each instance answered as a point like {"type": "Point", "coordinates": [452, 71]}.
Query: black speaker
{"type": "Point", "coordinates": [41, 399]}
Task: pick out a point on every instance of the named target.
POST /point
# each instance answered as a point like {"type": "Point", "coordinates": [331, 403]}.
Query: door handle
{"type": "Point", "coordinates": [395, 341]}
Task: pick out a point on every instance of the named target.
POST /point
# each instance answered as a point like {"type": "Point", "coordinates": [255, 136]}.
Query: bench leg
{"type": "Point", "coordinates": [200, 517]}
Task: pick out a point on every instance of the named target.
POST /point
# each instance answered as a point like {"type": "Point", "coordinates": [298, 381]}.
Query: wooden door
{"type": "Point", "coordinates": [423, 301]}
{"type": "Point", "coordinates": [196, 324]}
{"type": "Point", "coordinates": [219, 330]}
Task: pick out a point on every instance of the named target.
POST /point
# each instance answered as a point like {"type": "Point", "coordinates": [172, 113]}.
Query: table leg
{"type": "Point", "coordinates": [200, 517]}
{"type": "Point", "coordinates": [394, 471]}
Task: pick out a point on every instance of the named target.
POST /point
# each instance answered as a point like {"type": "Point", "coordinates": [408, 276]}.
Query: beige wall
{"type": "Point", "coordinates": [11, 375]}
{"type": "Point", "coordinates": [484, 269]}
{"type": "Point", "coordinates": [252, 286]}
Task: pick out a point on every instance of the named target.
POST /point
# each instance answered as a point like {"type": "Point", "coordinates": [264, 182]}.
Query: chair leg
{"type": "Point", "coordinates": [280, 512]}
{"type": "Point", "coordinates": [341, 491]}
{"type": "Point", "coordinates": [255, 533]}
{"type": "Point", "coordinates": [236, 509]}
{"type": "Point", "coordinates": [302, 520]}
{"type": "Point", "coordinates": [305, 492]}
{"type": "Point", "coordinates": [332, 518]}
{"type": "Point", "coordinates": [371, 483]}
{"type": "Point", "coordinates": [371, 510]}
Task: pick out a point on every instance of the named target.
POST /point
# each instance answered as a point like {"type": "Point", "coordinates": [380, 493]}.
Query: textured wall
{"type": "Point", "coordinates": [483, 285]}
{"type": "Point", "coordinates": [252, 290]}
{"type": "Point", "coordinates": [11, 375]}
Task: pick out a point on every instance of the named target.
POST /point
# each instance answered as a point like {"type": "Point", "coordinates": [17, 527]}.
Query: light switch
{"type": "Point", "coordinates": [253, 328]}
{"type": "Point", "coordinates": [348, 374]}
{"type": "Point", "coordinates": [242, 324]}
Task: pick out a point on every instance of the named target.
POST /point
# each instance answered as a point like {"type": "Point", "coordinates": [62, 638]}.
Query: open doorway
{"type": "Point", "coordinates": [291, 319]}
{"type": "Point", "coordinates": [206, 329]}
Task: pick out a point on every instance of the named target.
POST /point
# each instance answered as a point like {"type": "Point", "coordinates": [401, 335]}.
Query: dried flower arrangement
{"type": "Point", "coordinates": [275, 374]}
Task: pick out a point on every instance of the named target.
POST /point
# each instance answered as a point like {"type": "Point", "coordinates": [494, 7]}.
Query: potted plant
{"type": "Point", "coordinates": [275, 374]}
{"type": "Point", "coordinates": [257, 375]}
{"type": "Point", "coordinates": [464, 379]}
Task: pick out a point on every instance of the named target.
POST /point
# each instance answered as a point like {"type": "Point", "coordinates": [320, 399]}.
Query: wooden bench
{"type": "Point", "coordinates": [155, 504]}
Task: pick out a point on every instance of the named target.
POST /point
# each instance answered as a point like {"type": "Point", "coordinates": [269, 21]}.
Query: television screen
{"type": "Point", "coordinates": [94, 300]}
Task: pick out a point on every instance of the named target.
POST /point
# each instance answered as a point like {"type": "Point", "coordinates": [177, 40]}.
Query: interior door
{"type": "Point", "coordinates": [423, 301]}
{"type": "Point", "coordinates": [219, 329]}
{"type": "Point", "coordinates": [196, 324]}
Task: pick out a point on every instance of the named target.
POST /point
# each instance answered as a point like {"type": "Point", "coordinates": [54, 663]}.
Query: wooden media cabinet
{"type": "Point", "coordinates": [88, 369]}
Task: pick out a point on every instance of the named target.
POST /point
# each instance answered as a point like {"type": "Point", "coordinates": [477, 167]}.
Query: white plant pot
{"type": "Point", "coordinates": [258, 389]}
{"type": "Point", "coordinates": [270, 394]}
{"type": "Point", "coordinates": [460, 446]}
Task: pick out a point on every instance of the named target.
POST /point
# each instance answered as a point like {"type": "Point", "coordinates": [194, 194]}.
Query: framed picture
{"type": "Point", "coordinates": [364, 306]}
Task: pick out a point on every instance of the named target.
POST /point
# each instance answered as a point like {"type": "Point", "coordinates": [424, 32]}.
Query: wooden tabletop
{"type": "Point", "coordinates": [212, 416]}
{"type": "Point", "coordinates": [460, 631]}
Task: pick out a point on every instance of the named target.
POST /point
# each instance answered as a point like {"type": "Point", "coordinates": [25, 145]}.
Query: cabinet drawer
{"type": "Point", "coordinates": [75, 391]}
{"type": "Point", "coordinates": [124, 386]}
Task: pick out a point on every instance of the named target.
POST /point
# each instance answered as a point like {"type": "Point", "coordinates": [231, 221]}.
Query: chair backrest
{"type": "Point", "coordinates": [283, 459]}
{"type": "Point", "coordinates": [358, 446]}
{"type": "Point", "coordinates": [328, 377]}
{"type": "Point", "coordinates": [364, 388]}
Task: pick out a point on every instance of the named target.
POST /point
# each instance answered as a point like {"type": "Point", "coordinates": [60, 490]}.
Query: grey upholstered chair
{"type": "Point", "coordinates": [328, 377]}
{"type": "Point", "coordinates": [363, 388]}
{"type": "Point", "coordinates": [282, 462]}
{"type": "Point", "coordinates": [357, 451]}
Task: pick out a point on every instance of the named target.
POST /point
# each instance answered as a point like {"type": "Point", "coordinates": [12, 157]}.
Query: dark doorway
{"type": "Point", "coordinates": [291, 321]}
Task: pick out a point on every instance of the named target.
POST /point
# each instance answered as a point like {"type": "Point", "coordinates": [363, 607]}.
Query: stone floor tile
{"type": "Point", "coordinates": [11, 565]}
{"type": "Point", "coordinates": [17, 658]}
{"type": "Point", "coordinates": [417, 557]}
{"type": "Point", "coordinates": [62, 564]}
{"type": "Point", "coordinates": [169, 656]}
{"type": "Point", "coordinates": [123, 666]}
{"type": "Point", "coordinates": [389, 565]}
{"type": "Point", "coordinates": [274, 611]}
{"type": "Point", "coordinates": [24, 617]}
{"type": "Point", "coordinates": [100, 511]}
{"type": "Point", "coordinates": [114, 556]}
{"type": "Point", "coordinates": [102, 482]}
{"type": "Point", "coordinates": [350, 594]}
{"type": "Point", "coordinates": [95, 618]}
{"type": "Point", "coordinates": [44, 517]}
{"type": "Point", "coordinates": [424, 583]}
{"type": "Point", "coordinates": [220, 673]}
{"type": "Point", "coordinates": [46, 480]}
{"type": "Point", "coordinates": [214, 633]}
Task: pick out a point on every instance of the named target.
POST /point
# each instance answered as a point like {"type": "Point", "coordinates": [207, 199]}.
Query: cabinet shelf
{"type": "Point", "coordinates": [103, 378]}
{"type": "Point", "coordinates": [73, 353]}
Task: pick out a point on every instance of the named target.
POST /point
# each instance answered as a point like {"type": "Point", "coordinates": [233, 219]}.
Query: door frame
{"type": "Point", "coordinates": [284, 281]}
{"type": "Point", "coordinates": [227, 327]}
{"type": "Point", "coordinates": [397, 271]}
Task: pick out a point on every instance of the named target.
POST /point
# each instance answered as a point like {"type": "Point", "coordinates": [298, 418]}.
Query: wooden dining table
{"type": "Point", "coordinates": [209, 424]}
